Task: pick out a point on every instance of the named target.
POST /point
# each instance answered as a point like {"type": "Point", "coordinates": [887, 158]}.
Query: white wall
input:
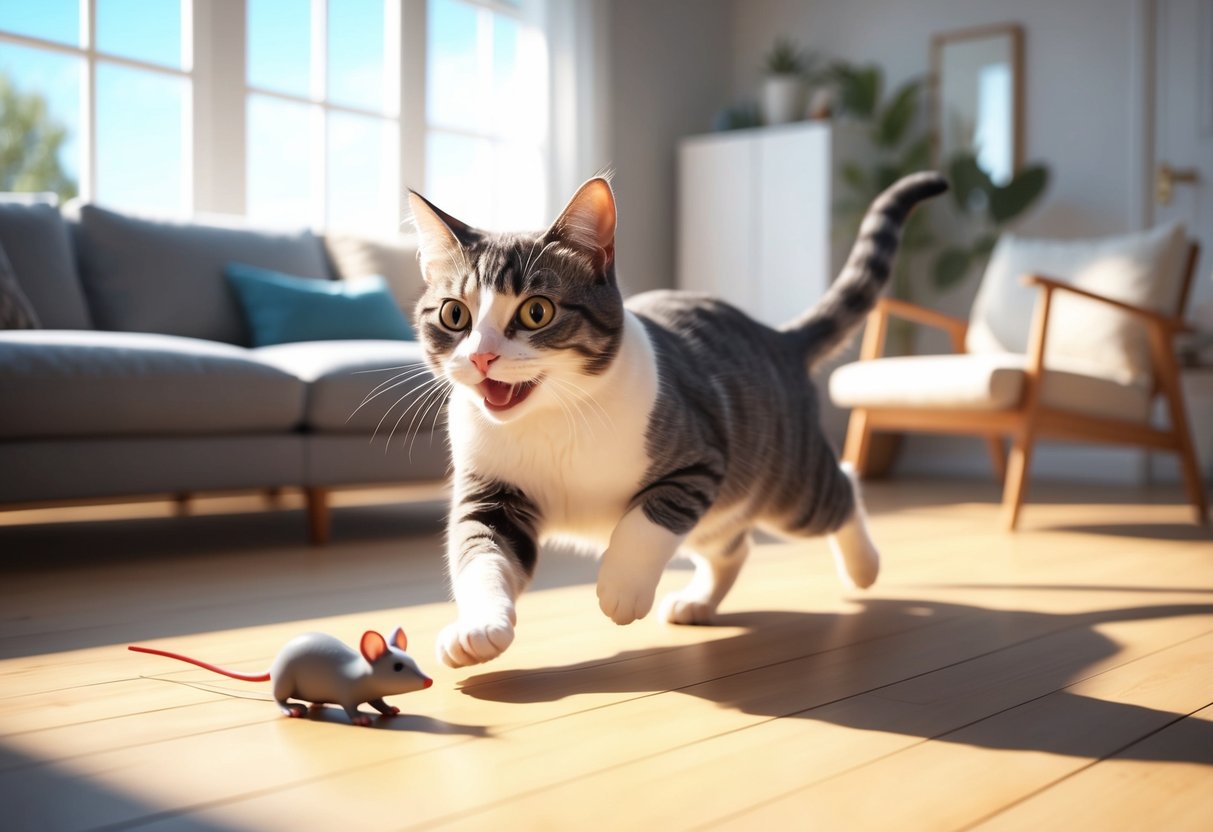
{"type": "Point", "coordinates": [670, 65]}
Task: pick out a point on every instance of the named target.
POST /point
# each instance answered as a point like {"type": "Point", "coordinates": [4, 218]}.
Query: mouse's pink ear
{"type": "Point", "coordinates": [373, 646]}
{"type": "Point", "coordinates": [400, 639]}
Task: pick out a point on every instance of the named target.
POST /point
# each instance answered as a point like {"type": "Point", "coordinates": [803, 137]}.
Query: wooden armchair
{"type": "Point", "coordinates": [992, 392]}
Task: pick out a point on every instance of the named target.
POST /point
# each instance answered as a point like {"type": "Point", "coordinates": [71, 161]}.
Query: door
{"type": "Point", "coordinates": [1183, 133]}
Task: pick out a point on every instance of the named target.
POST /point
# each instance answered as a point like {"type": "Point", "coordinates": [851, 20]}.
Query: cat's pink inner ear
{"type": "Point", "coordinates": [588, 221]}
{"type": "Point", "coordinates": [400, 639]}
{"type": "Point", "coordinates": [436, 242]}
{"type": "Point", "coordinates": [373, 646]}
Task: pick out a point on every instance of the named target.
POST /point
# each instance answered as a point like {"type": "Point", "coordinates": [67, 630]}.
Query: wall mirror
{"type": "Point", "coordinates": [977, 103]}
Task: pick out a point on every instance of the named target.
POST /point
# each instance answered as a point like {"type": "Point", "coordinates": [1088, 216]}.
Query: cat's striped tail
{"type": "Point", "coordinates": [828, 326]}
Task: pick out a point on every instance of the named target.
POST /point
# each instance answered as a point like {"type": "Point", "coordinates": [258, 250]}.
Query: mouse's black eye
{"type": "Point", "coordinates": [398, 666]}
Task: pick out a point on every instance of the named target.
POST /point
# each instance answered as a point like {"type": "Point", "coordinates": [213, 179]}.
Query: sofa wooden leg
{"type": "Point", "coordinates": [318, 515]}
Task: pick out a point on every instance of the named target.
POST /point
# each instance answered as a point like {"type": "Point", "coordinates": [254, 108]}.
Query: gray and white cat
{"type": "Point", "coordinates": [670, 422]}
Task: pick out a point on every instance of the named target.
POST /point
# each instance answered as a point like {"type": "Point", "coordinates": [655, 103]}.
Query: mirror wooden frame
{"type": "Point", "coordinates": [1013, 33]}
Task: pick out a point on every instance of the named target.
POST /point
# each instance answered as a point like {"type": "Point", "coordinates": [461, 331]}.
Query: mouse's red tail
{"type": "Point", "coordinates": [244, 677]}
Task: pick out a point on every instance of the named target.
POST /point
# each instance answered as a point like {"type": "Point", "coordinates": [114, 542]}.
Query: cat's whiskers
{"type": "Point", "coordinates": [421, 415]}
{"type": "Point", "coordinates": [415, 391]}
{"type": "Point", "coordinates": [568, 418]}
{"type": "Point", "coordinates": [526, 273]}
{"type": "Point", "coordinates": [583, 395]}
{"type": "Point", "coordinates": [377, 392]}
{"type": "Point", "coordinates": [577, 403]}
{"type": "Point", "coordinates": [431, 389]}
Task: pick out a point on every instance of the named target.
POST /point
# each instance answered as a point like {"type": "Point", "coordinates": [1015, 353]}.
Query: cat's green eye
{"type": "Point", "coordinates": [454, 315]}
{"type": "Point", "coordinates": [536, 312]}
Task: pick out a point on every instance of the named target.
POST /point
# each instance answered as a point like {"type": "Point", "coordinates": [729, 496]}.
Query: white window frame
{"type": "Point", "coordinates": [90, 55]}
{"type": "Point", "coordinates": [214, 64]}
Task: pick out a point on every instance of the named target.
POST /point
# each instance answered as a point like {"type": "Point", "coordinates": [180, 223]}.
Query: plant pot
{"type": "Point", "coordinates": [783, 99]}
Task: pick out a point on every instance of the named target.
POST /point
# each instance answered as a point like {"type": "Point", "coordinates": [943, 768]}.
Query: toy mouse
{"type": "Point", "coordinates": [320, 669]}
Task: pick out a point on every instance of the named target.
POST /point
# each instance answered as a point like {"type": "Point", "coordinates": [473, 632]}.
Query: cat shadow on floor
{"type": "Point", "coordinates": [923, 668]}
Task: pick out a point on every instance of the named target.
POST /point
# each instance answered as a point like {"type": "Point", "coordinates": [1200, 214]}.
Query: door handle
{"type": "Point", "coordinates": [1168, 177]}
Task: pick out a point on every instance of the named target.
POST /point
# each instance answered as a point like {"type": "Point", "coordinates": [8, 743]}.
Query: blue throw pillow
{"type": "Point", "coordinates": [282, 308]}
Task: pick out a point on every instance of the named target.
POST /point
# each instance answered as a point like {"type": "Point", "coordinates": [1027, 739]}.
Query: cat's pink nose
{"type": "Point", "coordinates": [482, 360]}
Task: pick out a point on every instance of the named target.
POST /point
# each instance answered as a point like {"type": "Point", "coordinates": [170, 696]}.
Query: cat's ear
{"type": "Point", "coordinates": [587, 223]}
{"type": "Point", "coordinates": [441, 237]}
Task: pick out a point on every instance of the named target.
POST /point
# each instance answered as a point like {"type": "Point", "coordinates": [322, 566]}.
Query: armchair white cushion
{"type": "Point", "coordinates": [994, 381]}
{"type": "Point", "coordinates": [1144, 269]}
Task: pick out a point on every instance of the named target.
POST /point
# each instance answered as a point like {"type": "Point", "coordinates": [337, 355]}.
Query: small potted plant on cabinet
{"type": "Point", "coordinates": [784, 87]}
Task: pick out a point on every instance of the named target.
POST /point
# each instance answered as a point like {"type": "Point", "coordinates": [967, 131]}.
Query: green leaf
{"type": "Point", "coordinates": [917, 156]}
{"type": "Point", "coordinates": [858, 88]}
{"type": "Point", "coordinates": [971, 187]}
{"type": "Point", "coordinates": [897, 116]}
{"type": "Point", "coordinates": [984, 245]}
{"type": "Point", "coordinates": [853, 175]}
{"type": "Point", "coordinates": [951, 267]}
{"type": "Point", "coordinates": [886, 175]}
{"type": "Point", "coordinates": [1016, 196]}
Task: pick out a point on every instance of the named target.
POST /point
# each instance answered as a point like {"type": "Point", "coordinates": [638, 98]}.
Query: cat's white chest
{"type": "Point", "coordinates": [580, 463]}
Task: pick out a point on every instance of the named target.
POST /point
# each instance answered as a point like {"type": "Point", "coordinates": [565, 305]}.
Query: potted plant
{"type": "Point", "coordinates": [784, 87]}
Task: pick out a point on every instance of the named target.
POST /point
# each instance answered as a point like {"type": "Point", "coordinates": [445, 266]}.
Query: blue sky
{"type": "Point", "coordinates": [140, 114]}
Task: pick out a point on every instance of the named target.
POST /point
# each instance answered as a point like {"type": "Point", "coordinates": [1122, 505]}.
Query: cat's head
{"type": "Point", "coordinates": [520, 322]}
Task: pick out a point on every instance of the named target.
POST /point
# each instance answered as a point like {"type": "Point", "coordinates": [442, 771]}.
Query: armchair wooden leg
{"type": "Point", "coordinates": [1194, 482]}
{"type": "Point", "coordinates": [859, 442]}
{"type": "Point", "coordinates": [1015, 486]}
{"type": "Point", "coordinates": [998, 455]}
{"type": "Point", "coordinates": [318, 515]}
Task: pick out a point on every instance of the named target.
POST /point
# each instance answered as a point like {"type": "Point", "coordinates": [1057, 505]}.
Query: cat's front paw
{"type": "Point", "coordinates": [468, 642]}
{"type": "Point", "coordinates": [625, 598]}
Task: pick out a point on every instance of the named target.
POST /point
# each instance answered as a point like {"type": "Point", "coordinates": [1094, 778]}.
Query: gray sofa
{"type": "Point", "coordinates": [141, 381]}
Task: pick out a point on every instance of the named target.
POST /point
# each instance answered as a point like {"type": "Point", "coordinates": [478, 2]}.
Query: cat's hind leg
{"type": "Point", "coordinates": [716, 568]}
{"type": "Point", "coordinates": [855, 555]}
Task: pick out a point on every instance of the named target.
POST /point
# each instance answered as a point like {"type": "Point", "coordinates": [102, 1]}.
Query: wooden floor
{"type": "Point", "coordinates": [1060, 678]}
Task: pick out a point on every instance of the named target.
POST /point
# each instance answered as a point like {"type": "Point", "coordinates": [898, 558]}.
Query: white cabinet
{"type": "Point", "coordinates": [754, 217]}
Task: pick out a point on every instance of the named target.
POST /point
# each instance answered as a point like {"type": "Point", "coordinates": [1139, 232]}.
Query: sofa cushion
{"type": "Point", "coordinates": [16, 312]}
{"type": "Point", "coordinates": [979, 382]}
{"type": "Point", "coordinates": [282, 308]}
{"type": "Point", "coordinates": [1142, 269]}
{"type": "Point", "coordinates": [74, 383]}
{"type": "Point", "coordinates": [395, 258]}
{"type": "Point", "coordinates": [150, 276]}
{"type": "Point", "coordinates": [36, 241]}
{"type": "Point", "coordinates": [362, 386]}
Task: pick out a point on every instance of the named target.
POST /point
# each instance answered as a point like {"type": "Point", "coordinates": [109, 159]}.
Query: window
{"type": "Point", "coordinates": [311, 112]}
{"type": "Point", "coordinates": [323, 104]}
{"type": "Point", "coordinates": [113, 70]}
{"type": "Point", "coordinates": [486, 156]}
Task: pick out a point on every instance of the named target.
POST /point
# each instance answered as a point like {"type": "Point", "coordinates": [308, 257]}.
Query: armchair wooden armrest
{"type": "Point", "coordinates": [878, 322]}
{"type": "Point", "coordinates": [1168, 322]}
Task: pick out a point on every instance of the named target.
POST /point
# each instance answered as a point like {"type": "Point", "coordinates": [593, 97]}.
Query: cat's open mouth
{"type": "Point", "coordinates": [500, 396]}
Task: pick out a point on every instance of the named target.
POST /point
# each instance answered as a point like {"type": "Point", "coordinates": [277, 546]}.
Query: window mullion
{"type": "Point", "coordinates": [318, 115]}
{"type": "Point", "coordinates": [413, 45]}
{"type": "Point", "coordinates": [88, 100]}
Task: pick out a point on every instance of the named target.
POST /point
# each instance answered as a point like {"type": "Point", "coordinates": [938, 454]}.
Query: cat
{"type": "Point", "coordinates": [670, 422]}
